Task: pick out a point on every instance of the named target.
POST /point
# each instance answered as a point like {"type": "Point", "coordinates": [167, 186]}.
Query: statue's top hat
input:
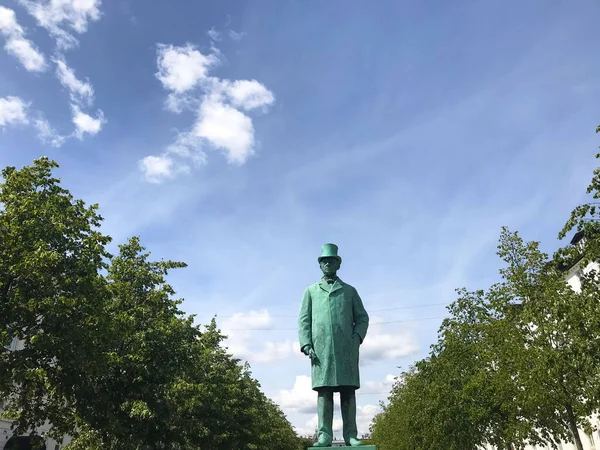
{"type": "Point", "coordinates": [329, 251]}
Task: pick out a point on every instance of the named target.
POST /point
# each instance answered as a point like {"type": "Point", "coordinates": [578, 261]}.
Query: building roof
{"type": "Point", "coordinates": [577, 237]}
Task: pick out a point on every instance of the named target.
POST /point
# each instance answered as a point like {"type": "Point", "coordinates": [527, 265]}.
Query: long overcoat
{"type": "Point", "coordinates": [334, 322]}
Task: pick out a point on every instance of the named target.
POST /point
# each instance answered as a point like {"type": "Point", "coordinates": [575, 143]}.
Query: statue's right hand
{"type": "Point", "coordinates": [308, 351]}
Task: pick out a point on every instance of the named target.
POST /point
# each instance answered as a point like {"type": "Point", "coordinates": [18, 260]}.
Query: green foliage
{"type": "Point", "coordinates": [461, 396]}
{"type": "Point", "coordinates": [305, 442]}
{"type": "Point", "coordinates": [108, 355]}
{"type": "Point", "coordinates": [585, 218]}
{"type": "Point", "coordinates": [51, 294]}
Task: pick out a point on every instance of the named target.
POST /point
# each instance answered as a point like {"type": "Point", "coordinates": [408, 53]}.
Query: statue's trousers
{"type": "Point", "coordinates": [325, 414]}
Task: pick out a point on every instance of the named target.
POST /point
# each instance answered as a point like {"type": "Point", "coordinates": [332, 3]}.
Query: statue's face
{"type": "Point", "coordinates": [329, 266]}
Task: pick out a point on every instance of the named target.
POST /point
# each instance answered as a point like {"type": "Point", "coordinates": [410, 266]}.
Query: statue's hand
{"type": "Point", "coordinates": [308, 351]}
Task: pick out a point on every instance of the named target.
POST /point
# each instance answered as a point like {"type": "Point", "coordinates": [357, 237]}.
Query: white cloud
{"type": "Point", "coordinates": [80, 91]}
{"type": "Point", "coordinates": [380, 387]}
{"type": "Point", "coordinates": [81, 94]}
{"type": "Point", "coordinates": [380, 344]}
{"type": "Point", "coordinates": [243, 321]}
{"type": "Point", "coordinates": [177, 103]}
{"type": "Point", "coordinates": [220, 124]}
{"type": "Point", "coordinates": [31, 58]}
{"type": "Point", "coordinates": [55, 15]}
{"type": "Point", "coordinates": [13, 111]}
{"type": "Point", "coordinates": [189, 146]}
{"type": "Point", "coordinates": [182, 68]}
{"type": "Point", "coordinates": [272, 352]}
{"type": "Point", "coordinates": [238, 329]}
{"type": "Point", "coordinates": [16, 44]}
{"type": "Point", "coordinates": [249, 94]}
{"type": "Point", "coordinates": [157, 168]}
{"type": "Point", "coordinates": [58, 15]}
{"type": "Point", "coordinates": [8, 22]}
{"type": "Point", "coordinates": [364, 416]}
{"type": "Point", "coordinates": [86, 124]}
{"type": "Point", "coordinates": [226, 128]}
{"type": "Point", "coordinates": [300, 398]}
{"type": "Point", "coordinates": [47, 134]}
{"type": "Point", "coordinates": [242, 342]}
{"type": "Point", "coordinates": [311, 424]}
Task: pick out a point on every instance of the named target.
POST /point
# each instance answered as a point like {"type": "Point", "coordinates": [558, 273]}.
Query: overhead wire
{"type": "Point", "coordinates": [372, 324]}
{"type": "Point", "coordinates": [370, 310]}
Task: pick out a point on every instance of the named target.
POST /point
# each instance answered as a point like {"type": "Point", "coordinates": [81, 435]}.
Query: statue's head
{"type": "Point", "coordinates": [329, 261]}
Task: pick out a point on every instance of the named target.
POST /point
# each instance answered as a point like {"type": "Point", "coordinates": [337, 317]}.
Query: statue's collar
{"type": "Point", "coordinates": [337, 284]}
{"type": "Point", "coordinates": [328, 280]}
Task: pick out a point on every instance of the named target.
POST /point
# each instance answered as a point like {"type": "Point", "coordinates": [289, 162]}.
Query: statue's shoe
{"type": "Point", "coordinates": [322, 443]}
{"type": "Point", "coordinates": [353, 442]}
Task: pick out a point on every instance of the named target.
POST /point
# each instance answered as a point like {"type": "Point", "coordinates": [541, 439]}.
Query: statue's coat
{"type": "Point", "coordinates": [334, 322]}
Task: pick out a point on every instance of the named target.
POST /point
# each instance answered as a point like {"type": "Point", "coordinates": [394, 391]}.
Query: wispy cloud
{"type": "Point", "coordinates": [236, 36]}
{"type": "Point", "coordinates": [214, 34]}
{"type": "Point", "coordinates": [60, 18]}
{"type": "Point", "coordinates": [47, 134]}
{"type": "Point", "coordinates": [17, 45]}
{"type": "Point", "coordinates": [81, 92]}
{"type": "Point", "coordinates": [63, 17]}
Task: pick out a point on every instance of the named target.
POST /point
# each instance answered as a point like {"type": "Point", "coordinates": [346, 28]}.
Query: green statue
{"type": "Point", "coordinates": [331, 327]}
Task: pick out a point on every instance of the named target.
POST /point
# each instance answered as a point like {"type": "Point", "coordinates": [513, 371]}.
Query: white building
{"type": "Point", "coordinates": [8, 441]}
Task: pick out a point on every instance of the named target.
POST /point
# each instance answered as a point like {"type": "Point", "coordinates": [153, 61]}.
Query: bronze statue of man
{"type": "Point", "coordinates": [331, 326]}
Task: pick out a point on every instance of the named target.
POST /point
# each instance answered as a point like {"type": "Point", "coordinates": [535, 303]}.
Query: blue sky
{"type": "Point", "coordinates": [241, 136]}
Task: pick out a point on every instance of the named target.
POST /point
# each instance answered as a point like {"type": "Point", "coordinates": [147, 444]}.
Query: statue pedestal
{"type": "Point", "coordinates": [363, 447]}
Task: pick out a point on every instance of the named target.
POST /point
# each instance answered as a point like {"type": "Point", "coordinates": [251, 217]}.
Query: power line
{"type": "Point", "coordinates": [370, 310]}
{"type": "Point", "coordinates": [373, 393]}
{"type": "Point", "coordinates": [294, 329]}
{"type": "Point", "coordinates": [410, 307]}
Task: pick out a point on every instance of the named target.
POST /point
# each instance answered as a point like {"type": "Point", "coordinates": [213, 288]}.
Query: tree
{"type": "Point", "coordinates": [513, 364]}
{"type": "Point", "coordinates": [431, 405]}
{"type": "Point", "coordinates": [169, 384]}
{"type": "Point", "coordinates": [108, 356]}
{"type": "Point", "coordinates": [558, 376]}
{"type": "Point", "coordinates": [51, 295]}
{"type": "Point", "coordinates": [149, 343]}
{"type": "Point", "coordinates": [481, 343]}
{"type": "Point", "coordinates": [222, 405]}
